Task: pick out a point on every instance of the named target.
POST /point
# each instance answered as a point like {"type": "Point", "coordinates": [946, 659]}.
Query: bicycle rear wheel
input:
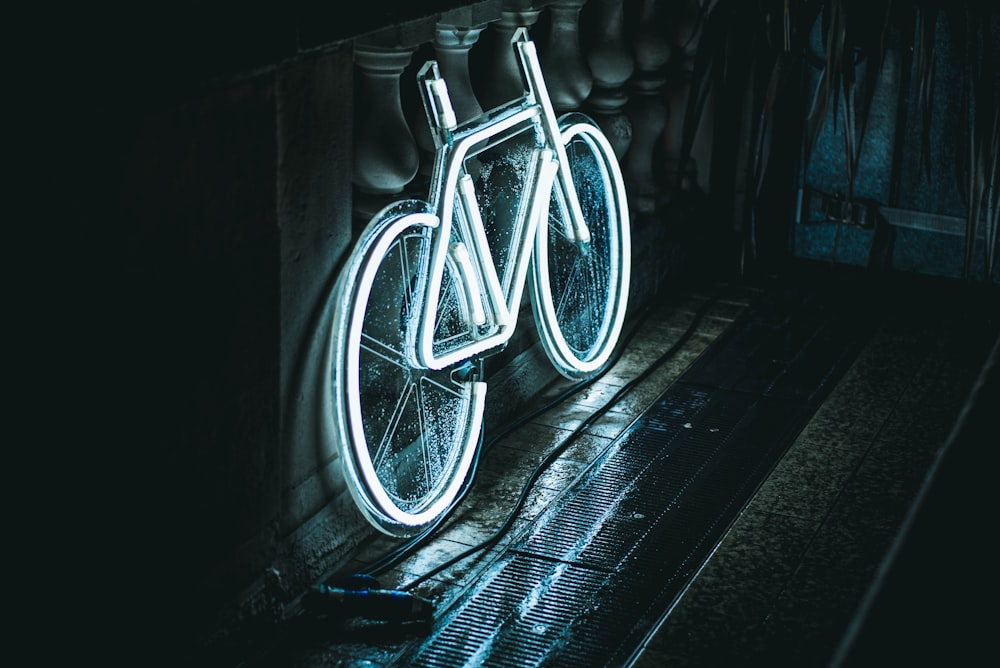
{"type": "Point", "coordinates": [580, 291]}
{"type": "Point", "coordinates": [408, 435]}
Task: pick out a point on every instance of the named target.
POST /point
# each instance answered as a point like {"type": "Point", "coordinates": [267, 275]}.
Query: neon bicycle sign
{"type": "Point", "coordinates": [431, 288]}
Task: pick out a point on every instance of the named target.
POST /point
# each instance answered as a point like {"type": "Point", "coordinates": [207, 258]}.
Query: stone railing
{"type": "Point", "coordinates": [261, 185]}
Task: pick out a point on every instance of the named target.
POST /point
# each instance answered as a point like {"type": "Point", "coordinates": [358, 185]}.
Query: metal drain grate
{"type": "Point", "coordinates": [593, 575]}
{"type": "Point", "coordinates": [519, 616]}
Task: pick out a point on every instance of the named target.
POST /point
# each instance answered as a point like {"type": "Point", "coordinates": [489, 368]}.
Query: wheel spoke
{"type": "Point", "coordinates": [425, 453]}
{"type": "Point", "coordinates": [382, 350]}
{"type": "Point", "coordinates": [392, 425]}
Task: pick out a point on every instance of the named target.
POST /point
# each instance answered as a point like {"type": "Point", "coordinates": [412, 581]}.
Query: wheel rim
{"type": "Point", "coordinates": [586, 289]}
{"type": "Point", "coordinates": [408, 428]}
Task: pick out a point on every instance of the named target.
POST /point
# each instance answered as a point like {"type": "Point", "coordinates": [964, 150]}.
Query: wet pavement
{"type": "Point", "coordinates": [787, 567]}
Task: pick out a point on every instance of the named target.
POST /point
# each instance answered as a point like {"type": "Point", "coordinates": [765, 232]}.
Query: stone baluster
{"type": "Point", "coordinates": [684, 31]}
{"type": "Point", "coordinates": [451, 46]}
{"type": "Point", "coordinates": [417, 116]}
{"type": "Point", "coordinates": [504, 74]}
{"type": "Point", "coordinates": [385, 151]}
{"type": "Point", "coordinates": [567, 74]}
{"type": "Point", "coordinates": [647, 109]}
{"type": "Point", "coordinates": [611, 65]}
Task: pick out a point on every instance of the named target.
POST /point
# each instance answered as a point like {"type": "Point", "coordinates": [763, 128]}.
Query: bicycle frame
{"type": "Point", "coordinates": [432, 287]}
{"type": "Point", "coordinates": [486, 300]}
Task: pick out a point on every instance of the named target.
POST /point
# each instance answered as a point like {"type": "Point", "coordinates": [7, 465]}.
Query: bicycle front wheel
{"type": "Point", "coordinates": [408, 435]}
{"type": "Point", "coordinates": [580, 290]}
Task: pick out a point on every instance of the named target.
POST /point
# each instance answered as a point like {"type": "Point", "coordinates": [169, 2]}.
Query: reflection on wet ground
{"type": "Point", "coordinates": [786, 563]}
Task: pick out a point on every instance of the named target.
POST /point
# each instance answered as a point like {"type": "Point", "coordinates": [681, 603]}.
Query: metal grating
{"type": "Point", "coordinates": [590, 578]}
{"type": "Point", "coordinates": [518, 616]}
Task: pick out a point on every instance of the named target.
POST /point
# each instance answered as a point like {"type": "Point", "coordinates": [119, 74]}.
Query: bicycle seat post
{"type": "Point", "coordinates": [437, 103]}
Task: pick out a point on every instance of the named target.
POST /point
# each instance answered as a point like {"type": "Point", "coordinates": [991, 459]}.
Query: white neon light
{"type": "Point", "coordinates": [541, 170]}
{"type": "Point", "coordinates": [446, 113]}
{"type": "Point", "coordinates": [360, 460]}
{"type": "Point", "coordinates": [456, 245]}
{"type": "Point", "coordinates": [555, 338]}
{"type": "Point", "coordinates": [476, 230]}
{"type": "Point", "coordinates": [472, 311]}
{"type": "Point", "coordinates": [578, 227]}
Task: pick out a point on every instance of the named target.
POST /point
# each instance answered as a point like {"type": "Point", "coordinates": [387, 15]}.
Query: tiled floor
{"type": "Point", "coordinates": [786, 580]}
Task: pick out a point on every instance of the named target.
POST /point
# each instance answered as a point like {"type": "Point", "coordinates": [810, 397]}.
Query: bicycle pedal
{"type": "Point", "coordinates": [467, 372]}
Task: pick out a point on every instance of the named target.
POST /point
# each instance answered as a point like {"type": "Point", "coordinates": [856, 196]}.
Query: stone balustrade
{"type": "Point", "coordinates": [341, 133]}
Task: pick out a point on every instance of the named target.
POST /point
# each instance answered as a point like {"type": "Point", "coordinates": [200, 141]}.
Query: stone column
{"type": "Point", "coordinates": [684, 34]}
{"type": "Point", "coordinates": [452, 43]}
{"type": "Point", "coordinates": [505, 82]}
{"type": "Point", "coordinates": [611, 65]}
{"type": "Point", "coordinates": [567, 74]}
{"type": "Point", "coordinates": [647, 109]}
{"type": "Point", "coordinates": [385, 151]}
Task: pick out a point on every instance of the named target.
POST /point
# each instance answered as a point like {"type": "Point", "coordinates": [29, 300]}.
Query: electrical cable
{"type": "Point", "coordinates": [406, 549]}
{"type": "Point", "coordinates": [360, 594]}
{"type": "Point", "coordinates": [557, 451]}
